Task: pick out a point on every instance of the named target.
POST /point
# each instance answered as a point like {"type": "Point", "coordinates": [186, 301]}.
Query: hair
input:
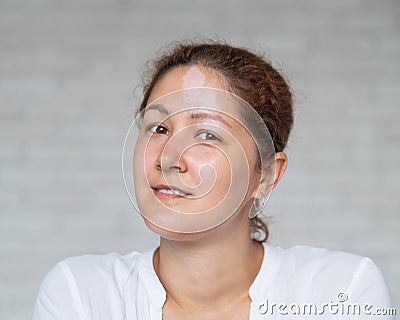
{"type": "Point", "coordinates": [245, 74]}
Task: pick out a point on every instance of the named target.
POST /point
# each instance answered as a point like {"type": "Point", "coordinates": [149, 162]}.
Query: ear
{"type": "Point", "coordinates": [271, 175]}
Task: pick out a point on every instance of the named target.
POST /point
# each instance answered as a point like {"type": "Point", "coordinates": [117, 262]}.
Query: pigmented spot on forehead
{"type": "Point", "coordinates": [193, 77]}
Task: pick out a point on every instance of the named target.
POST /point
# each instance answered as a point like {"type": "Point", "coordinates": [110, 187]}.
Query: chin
{"type": "Point", "coordinates": [173, 235]}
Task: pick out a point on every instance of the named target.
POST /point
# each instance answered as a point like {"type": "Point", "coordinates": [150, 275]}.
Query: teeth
{"type": "Point", "coordinates": [170, 191]}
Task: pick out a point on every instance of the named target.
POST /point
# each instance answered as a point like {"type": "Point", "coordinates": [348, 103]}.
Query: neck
{"type": "Point", "coordinates": [213, 269]}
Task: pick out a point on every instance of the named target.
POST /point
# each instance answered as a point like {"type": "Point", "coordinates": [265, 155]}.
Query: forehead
{"type": "Point", "coordinates": [185, 77]}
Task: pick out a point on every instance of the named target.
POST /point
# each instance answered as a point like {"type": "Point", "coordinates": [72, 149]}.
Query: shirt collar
{"type": "Point", "coordinates": [155, 290]}
{"type": "Point", "coordinates": [257, 292]}
{"type": "Point", "coordinates": [267, 273]}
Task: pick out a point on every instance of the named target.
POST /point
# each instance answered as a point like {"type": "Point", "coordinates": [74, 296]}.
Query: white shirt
{"type": "Point", "coordinates": [291, 284]}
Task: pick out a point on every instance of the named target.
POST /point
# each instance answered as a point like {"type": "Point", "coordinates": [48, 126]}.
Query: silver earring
{"type": "Point", "coordinates": [257, 208]}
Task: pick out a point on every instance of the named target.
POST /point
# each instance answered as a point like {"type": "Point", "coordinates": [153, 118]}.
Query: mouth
{"type": "Point", "coordinates": [163, 191]}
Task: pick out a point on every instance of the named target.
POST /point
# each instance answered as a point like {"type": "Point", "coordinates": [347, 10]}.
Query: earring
{"type": "Point", "coordinates": [256, 208]}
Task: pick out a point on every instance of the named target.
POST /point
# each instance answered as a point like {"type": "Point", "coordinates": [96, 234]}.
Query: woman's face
{"type": "Point", "coordinates": [194, 166]}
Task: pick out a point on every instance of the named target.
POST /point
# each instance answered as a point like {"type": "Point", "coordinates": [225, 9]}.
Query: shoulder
{"type": "Point", "coordinates": [75, 284]}
{"type": "Point", "coordinates": [306, 266]}
{"type": "Point", "coordinates": [308, 258]}
{"type": "Point", "coordinates": [111, 265]}
{"type": "Point", "coordinates": [323, 264]}
{"type": "Point", "coordinates": [327, 274]}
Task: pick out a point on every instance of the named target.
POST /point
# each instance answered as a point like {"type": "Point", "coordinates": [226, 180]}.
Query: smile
{"type": "Point", "coordinates": [163, 192]}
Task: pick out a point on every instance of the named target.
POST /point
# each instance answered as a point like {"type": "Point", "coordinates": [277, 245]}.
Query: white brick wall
{"type": "Point", "coordinates": [67, 73]}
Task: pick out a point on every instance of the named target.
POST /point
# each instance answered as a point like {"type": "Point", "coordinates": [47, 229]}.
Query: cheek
{"type": "Point", "coordinates": [144, 160]}
{"type": "Point", "coordinates": [254, 164]}
{"type": "Point", "coordinates": [138, 160]}
{"type": "Point", "coordinates": [210, 168]}
{"type": "Point", "coordinates": [224, 177]}
{"type": "Point", "coordinates": [150, 155]}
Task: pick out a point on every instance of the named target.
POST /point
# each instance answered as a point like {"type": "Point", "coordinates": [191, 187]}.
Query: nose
{"type": "Point", "coordinates": [172, 156]}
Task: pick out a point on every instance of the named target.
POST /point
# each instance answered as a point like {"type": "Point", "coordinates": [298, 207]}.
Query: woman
{"type": "Point", "coordinates": [202, 174]}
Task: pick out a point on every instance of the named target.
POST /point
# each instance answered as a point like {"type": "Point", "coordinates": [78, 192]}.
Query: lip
{"type": "Point", "coordinates": [163, 195]}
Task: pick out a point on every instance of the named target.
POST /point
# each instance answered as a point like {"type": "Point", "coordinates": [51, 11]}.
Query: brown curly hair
{"type": "Point", "coordinates": [245, 74]}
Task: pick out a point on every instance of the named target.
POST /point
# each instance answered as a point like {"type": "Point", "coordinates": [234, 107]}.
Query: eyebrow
{"type": "Point", "coordinates": [205, 115]}
{"type": "Point", "coordinates": [194, 115]}
{"type": "Point", "coordinates": [158, 107]}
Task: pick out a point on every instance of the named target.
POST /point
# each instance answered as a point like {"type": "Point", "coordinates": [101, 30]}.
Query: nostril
{"type": "Point", "coordinates": [169, 168]}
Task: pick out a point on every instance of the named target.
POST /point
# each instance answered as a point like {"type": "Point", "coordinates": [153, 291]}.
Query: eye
{"type": "Point", "coordinates": [207, 135]}
{"type": "Point", "coordinates": [158, 129]}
